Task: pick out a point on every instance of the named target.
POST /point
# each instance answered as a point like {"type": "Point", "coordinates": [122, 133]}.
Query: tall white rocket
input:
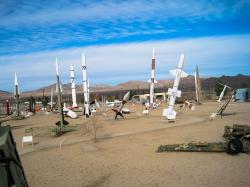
{"type": "Point", "coordinates": [16, 88]}
{"type": "Point", "coordinates": [169, 113]}
{"type": "Point", "coordinates": [86, 111]}
{"type": "Point", "coordinates": [73, 86]}
{"type": "Point", "coordinates": [152, 80]}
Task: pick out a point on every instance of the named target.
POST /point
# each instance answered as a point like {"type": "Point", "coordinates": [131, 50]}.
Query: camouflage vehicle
{"type": "Point", "coordinates": [236, 140]}
{"type": "Point", "coordinates": [11, 169]}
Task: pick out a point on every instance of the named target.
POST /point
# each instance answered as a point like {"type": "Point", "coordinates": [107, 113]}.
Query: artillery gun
{"type": "Point", "coordinates": [236, 140]}
{"type": "Point", "coordinates": [55, 131]}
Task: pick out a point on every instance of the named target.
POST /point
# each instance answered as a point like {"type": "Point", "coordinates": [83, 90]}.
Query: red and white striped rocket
{"type": "Point", "coordinates": [152, 80]}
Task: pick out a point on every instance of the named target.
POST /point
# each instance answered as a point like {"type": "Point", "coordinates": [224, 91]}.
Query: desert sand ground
{"type": "Point", "coordinates": [125, 151]}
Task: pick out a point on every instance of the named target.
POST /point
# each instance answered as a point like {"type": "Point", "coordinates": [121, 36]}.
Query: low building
{"type": "Point", "coordinates": [145, 97]}
{"type": "Point", "coordinates": [242, 94]}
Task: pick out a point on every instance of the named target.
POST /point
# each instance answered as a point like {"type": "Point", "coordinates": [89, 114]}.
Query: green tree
{"type": "Point", "coordinates": [45, 101]}
{"type": "Point", "coordinates": [32, 103]}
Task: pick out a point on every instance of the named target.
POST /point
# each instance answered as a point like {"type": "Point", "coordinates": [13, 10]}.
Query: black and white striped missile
{"type": "Point", "coordinates": [169, 113]}
{"type": "Point", "coordinates": [152, 80]}
{"type": "Point", "coordinates": [86, 110]}
{"type": "Point", "coordinates": [73, 86]}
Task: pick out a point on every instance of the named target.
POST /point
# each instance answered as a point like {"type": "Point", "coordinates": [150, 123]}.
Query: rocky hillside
{"type": "Point", "coordinates": [186, 84]}
{"type": "Point", "coordinates": [5, 95]}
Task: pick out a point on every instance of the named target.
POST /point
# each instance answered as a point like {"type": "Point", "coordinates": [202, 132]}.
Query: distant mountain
{"type": "Point", "coordinates": [186, 84]}
{"type": "Point", "coordinates": [130, 85]}
{"type": "Point", "coordinates": [5, 95]}
{"type": "Point", "coordinates": [47, 90]}
{"type": "Point", "coordinates": [238, 81]}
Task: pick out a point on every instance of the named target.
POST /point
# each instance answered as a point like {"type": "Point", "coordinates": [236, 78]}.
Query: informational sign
{"type": "Point", "coordinates": [27, 139]}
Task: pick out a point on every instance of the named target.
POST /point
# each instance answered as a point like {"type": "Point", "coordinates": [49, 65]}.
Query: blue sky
{"type": "Point", "coordinates": [118, 37]}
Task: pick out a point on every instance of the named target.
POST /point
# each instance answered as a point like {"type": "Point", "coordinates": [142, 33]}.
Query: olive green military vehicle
{"type": "Point", "coordinates": [236, 140]}
{"type": "Point", "coordinates": [11, 170]}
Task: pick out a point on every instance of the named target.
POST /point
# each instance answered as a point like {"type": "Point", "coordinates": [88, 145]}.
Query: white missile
{"type": "Point", "coordinates": [88, 89]}
{"type": "Point", "coordinates": [73, 86]}
{"type": "Point", "coordinates": [222, 92]}
{"type": "Point", "coordinates": [57, 68]}
{"type": "Point", "coordinates": [126, 97]}
{"type": "Point", "coordinates": [51, 98]}
{"type": "Point", "coordinates": [118, 110]}
{"type": "Point", "coordinates": [152, 80]}
{"type": "Point", "coordinates": [16, 88]}
{"type": "Point", "coordinates": [169, 113]}
{"type": "Point", "coordinates": [16, 82]}
{"type": "Point", "coordinates": [86, 110]}
{"type": "Point", "coordinates": [97, 104]}
{"type": "Point", "coordinates": [197, 84]}
{"type": "Point", "coordinates": [16, 95]}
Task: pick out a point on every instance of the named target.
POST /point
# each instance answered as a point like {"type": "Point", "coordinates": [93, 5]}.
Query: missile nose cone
{"type": "Point", "coordinates": [71, 68]}
{"type": "Point", "coordinates": [126, 96]}
{"type": "Point", "coordinates": [153, 53]}
{"type": "Point", "coordinates": [16, 82]}
{"type": "Point", "coordinates": [57, 68]}
{"type": "Point", "coordinates": [181, 60]}
{"type": "Point", "coordinates": [83, 59]}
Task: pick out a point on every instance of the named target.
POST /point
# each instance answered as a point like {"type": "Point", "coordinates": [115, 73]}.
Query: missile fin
{"type": "Point", "coordinates": [173, 72]}
{"type": "Point", "coordinates": [171, 114]}
{"type": "Point", "coordinates": [184, 74]}
{"type": "Point", "coordinates": [178, 93]}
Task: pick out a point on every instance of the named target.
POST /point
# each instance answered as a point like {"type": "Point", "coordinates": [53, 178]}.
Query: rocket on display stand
{"type": "Point", "coordinates": [152, 80]}
{"type": "Point", "coordinates": [118, 111]}
{"type": "Point", "coordinates": [59, 98]}
{"type": "Point", "coordinates": [223, 91]}
{"type": "Point", "coordinates": [16, 96]}
{"type": "Point", "coordinates": [73, 86]}
{"type": "Point", "coordinates": [169, 112]}
{"type": "Point", "coordinates": [86, 109]}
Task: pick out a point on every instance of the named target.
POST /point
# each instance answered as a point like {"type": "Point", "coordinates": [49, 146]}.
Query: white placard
{"type": "Point", "coordinates": [27, 139]}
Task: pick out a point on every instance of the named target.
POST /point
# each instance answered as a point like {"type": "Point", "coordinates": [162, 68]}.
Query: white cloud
{"type": "Point", "coordinates": [30, 13]}
{"type": "Point", "coordinates": [129, 61]}
{"type": "Point", "coordinates": [43, 25]}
